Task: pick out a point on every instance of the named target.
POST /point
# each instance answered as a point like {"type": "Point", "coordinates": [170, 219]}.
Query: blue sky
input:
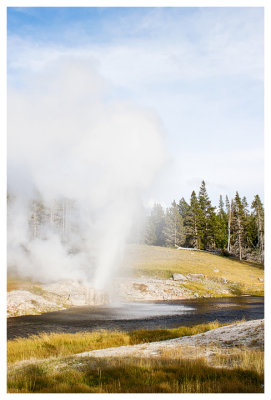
{"type": "Point", "coordinates": [199, 69]}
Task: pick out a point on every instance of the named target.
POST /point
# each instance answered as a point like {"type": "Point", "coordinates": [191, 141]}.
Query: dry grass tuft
{"type": "Point", "coordinates": [45, 345]}
{"type": "Point", "coordinates": [49, 366]}
{"type": "Point", "coordinates": [246, 359]}
{"type": "Point", "coordinates": [163, 375]}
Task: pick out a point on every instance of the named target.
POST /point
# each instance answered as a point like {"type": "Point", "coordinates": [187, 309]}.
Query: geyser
{"type": "Point", "coordinates": [79, 162]}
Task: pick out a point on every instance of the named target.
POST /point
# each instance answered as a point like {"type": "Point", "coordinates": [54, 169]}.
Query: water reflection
{"type": "Point", "coordinates": [130, 316]}
{"type": "Point", "coordinates": [129, 311]}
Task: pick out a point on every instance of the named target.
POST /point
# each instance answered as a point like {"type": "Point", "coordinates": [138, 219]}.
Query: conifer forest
{"type": "Point", "coordinates": [234, 228]}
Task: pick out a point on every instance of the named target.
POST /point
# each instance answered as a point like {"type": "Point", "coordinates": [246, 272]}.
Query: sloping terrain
{"type": "Point", "coordinates": [148, 273]}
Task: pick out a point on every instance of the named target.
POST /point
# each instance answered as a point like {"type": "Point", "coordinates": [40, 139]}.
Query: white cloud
{"type": "Point", "coordinates": [201, 71]}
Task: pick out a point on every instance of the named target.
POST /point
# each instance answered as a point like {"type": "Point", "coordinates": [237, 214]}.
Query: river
{"type": "Point", "coordinates": [130, 316]}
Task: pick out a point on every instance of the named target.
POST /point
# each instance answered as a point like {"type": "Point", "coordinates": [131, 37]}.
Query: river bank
{"type": "Point", "coordinates": [218, 359]}
{"type": "Point", "coordinates": [38, 298]}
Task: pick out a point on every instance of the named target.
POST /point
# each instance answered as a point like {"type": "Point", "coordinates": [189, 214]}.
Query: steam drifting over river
{"type": "Point", "coordinates": [79, 162]}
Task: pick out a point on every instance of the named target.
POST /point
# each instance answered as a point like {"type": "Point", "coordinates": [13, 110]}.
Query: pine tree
{"type": "Point", "coordinates": [192, 222]}
{"type": "Point", "coordinates": [221, 226]}
{"type": "Point", "coordinates": [197, 224]}
{"type": "Point", "coordinates": [207, 218]}
{"type": "Point", "coordinates": [155, 226]}
{"type": "Point", "coordinates": [238, 224]}
{"type": "Point", "coordinates": [229, 218]}
{"type": "Point", "coordinates": [150, 235]}
{"type": "Point", "coordinates": [247, 226]}
{"type": "Point", "coordinates": [174, 231]}
{"type": "Point", "coordinates": [258, 213]}
{"type": "Point", "coordinates": [184, 210]}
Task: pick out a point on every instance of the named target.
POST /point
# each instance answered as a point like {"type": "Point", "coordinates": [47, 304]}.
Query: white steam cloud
{"type": "Point", "coordinates": [71, 143]}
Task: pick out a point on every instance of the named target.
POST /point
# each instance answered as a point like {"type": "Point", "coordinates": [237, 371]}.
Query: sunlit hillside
{"type": "Point", "coordinates": [162, 262]}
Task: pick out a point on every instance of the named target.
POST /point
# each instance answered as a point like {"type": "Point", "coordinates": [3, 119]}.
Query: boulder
{"type": "Point", "coordinates": [179, 277]}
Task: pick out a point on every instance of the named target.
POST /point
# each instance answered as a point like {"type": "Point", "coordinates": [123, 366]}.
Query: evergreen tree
{"type": "Point", "coordinates": [246, 224]}
{"type": "Point", "coordinates": [155, 226]}
{"type": "Point", "coordinates": [221, 226]}
{"type": "Point", "coordinates": [184, 210]}
{"type": "Point", "coordinates": [174, 230]}
{"type": "Point", "coordinates": [238, 224]}
{"type": "Point", "coordinates": [245, 205]}
{"type": "Point", "coordinates": [229, 217]}
{"type": "Point", "coordinates": [192, 221]}
{"type": "Point", "coordinates": [197, 224]}
{"type": "Point", "coordinates": [258, 214]}
{"type": "Point", "coordinates": [150, 235]}
{"type": "Point", "coordinates": [251, 234]}
{"type": "Point", "coordinates": [207, 219]}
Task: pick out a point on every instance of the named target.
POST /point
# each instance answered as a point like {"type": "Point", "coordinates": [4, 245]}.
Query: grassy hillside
{"type": "Point", "coordinates": [161, 262]}
{"type": "Point", "coordinates": [221, 276]}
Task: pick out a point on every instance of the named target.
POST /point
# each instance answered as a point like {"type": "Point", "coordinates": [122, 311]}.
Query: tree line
{"type": "Point", "coordinates": [232, 228]}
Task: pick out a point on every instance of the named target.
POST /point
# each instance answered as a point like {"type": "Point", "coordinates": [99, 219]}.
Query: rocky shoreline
{"type": "Point", "coordinates": [42, 298]}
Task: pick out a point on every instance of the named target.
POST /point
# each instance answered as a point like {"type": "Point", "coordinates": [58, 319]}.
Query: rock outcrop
{"type": "Point", "coordinates": [150, 289]}
{"type": "Point", "coordinates": [52, 297]}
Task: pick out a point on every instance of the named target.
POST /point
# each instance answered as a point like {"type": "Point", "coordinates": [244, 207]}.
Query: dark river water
{"type": "Point", "coordinates": [130, 316]}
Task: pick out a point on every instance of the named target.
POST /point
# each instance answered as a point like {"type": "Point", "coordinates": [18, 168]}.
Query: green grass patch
{"type": "Point", "coordinates": [239, 290]}
{"type": "Point", "coordinates": [202, 289]}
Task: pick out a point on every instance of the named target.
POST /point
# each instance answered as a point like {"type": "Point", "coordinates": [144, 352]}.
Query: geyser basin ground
{"type": "Point", "coordinates": [146, 276]}
{"type": "Point", "coordinates": [133, 316]}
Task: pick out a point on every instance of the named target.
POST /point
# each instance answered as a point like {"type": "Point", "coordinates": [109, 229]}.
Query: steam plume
{"type": "Point", "coordinates": [74, 149]}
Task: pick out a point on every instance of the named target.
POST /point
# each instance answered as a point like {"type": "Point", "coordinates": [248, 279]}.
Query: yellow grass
{"type": "Point", "coordinates": [162, 262]}
{"type": "Point", "coordinates": [62, 344]}
{"type": "Point", "coordinates": [246, 359]}
{"type": "Point", "coordinates": [243, 357]}
{"type": "Point", "coordinates": [19, 284]}
{"type": "Point", "coordinates": [135, 375]}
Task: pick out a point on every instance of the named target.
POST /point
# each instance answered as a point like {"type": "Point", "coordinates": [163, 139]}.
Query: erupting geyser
{"type": "Point", "coordinates": [78, 163]}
